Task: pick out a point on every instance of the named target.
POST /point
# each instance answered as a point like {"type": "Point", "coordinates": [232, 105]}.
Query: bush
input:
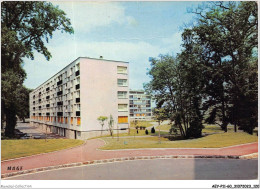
{"type": "Point", "coordinates": [146, 132]}
{"type": "Point", "coordinates": [152, 130]}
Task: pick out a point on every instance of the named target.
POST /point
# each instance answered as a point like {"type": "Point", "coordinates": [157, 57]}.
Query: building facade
{"type": "Point", "coordinates": [140, 105]}
{"type": "Point", "coordinates": [70, 102]}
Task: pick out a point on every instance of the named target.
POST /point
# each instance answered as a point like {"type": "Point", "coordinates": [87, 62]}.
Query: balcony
{"type": "Point", "coordinates": [40, 100]}
{"type": "Point", "coordinates": [77, 73]}
{"type": "Point", "coordinates": [59, 113]}
{"type": "Point", "coordinates": [47, 89]}
{"type": "Point", "coordinates": [60, 103]}
{"type": "Point", "coordinates": [59, 82]}
{"type": "Point", "coordinates": [77, 86]}
{"type": "Point", "coordinates": [59, 93]}
{"type": "Point", "coordinates": [77, 100]}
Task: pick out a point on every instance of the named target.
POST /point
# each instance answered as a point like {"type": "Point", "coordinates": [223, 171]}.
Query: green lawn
{"type": "Point", "coordinates": [215, 129]}
{"type": "Point", "coordinates": [142, 123]}
{"type": "Point", "coordinates": [19, 148]}
{"type": "Point", "coordinates": [207, 129]}
{"type": "Point", "coordinates": [210, 141]}
{"type": "Point", "coordinates": [165, 127]}
{"type": "Point", "coordinates": [134, 133]}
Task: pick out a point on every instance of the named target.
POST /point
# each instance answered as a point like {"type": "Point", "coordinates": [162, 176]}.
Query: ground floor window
{"type": "Point", "coordinates": [122, 119]}
{"type": "Point", "coordinates": [78, 120]}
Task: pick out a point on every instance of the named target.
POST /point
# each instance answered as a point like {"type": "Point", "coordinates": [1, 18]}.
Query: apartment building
{"type": "Point", "coordinates": [70, 102]}
{"type": "Point", "coordinates": [140, 105]}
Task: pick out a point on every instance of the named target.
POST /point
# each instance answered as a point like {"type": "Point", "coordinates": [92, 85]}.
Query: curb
{"type": "Point", "coordinates": [132, 149]}
{"type": "Point", "coordinates": [94, 162]}
{"type": "Point", "coordinates": [249, 156]}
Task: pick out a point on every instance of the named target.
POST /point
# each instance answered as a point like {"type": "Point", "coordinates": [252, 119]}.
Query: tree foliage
{"type": "Point", "coordinates": [227, 34]}
{"type": "Point", "coordinates": [102, 120]}
{"type": "Point", "coordinates": [25, 27]}
{"type": "Point", "coordinates": [111, 124]}
{"type": "Point", "coordinates": [216, 72]}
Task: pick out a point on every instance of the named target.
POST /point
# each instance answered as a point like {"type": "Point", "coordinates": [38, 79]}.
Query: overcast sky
{"type": "Point", "coordinates": [125, 31]}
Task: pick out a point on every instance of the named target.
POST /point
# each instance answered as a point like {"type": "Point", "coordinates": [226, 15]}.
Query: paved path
{"type": "Point", "coordinates": [89, 151]}
{"type": "Point", "coordinates": [157, 169]}
{"type": "Point", "coordinates": [34, 131]}
{"type": "Point", "coordinates": [155, 124]}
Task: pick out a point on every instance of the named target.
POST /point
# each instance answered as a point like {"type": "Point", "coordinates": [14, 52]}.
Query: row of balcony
{"type": "Point", "coordinates": [58, 84]}
{"type": "Point", "coordinates": [77, 100]}
{"type": "Point", "coordinates": [58, 114]}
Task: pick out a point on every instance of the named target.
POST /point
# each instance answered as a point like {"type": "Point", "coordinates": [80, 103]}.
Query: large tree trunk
{"type": "Point", "coordinates": [10, 121]}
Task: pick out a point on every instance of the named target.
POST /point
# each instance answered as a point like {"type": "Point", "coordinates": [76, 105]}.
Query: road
{"type": "Point", "coordinates": [158, 169]}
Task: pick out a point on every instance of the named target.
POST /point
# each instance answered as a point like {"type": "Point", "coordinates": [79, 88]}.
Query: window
{"type": "Point", "coordinates": [78, 120]}
{"type": "Point", "coordinates": [122, 119]}
{"type": "Point", "coordinates": [71, 121]}
{"type": "Point", "coordinates": [121, 70]}
{"type": "Point", "coordinates": [122, 82]}
{"type": "Point", "coordinates": [122, 107]}
{"type": "Point", "coordinates": [122, 94]}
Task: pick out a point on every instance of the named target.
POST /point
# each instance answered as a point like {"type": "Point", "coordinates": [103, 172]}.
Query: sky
{"type": "Point", "coordinates": [122, 31]}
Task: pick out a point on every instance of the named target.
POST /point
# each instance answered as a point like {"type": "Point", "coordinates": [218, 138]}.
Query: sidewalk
{"type": "Point", "coordinates": [89, 152]}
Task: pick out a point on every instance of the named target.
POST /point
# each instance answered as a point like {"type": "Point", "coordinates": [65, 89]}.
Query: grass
{"type": "Point", "coordinates": [20, 148]}
{"type": "Point", "coordinates": [134, 133]}
{"type": "Point", "coordinates": [207, 129]}
{"type": "Point", "coordinates": [165, 127]}
{"type": "Point", "coordinates": [210, 141]}
{"type": "Point", "coordinates": [215, 129]}
{"type": "Point", "coordinates": [142, 123]}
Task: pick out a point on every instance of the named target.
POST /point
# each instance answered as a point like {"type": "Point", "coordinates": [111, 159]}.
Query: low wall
{"type": "Point", "coordinates": [73, 134]}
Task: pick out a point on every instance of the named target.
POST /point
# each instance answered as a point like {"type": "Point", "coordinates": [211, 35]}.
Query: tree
{"type": "Point", "coordinates": [23, 103]}
{"type": "Point", "coordinates": [160, 115]}
{"type": "Point", "coordinates": [25, 25]}
{"type": "Point", "coordinates": [175, 88]}
{"type": "Point", "coordinates": [102, 120]}
{"type": "Point", "coordinates": [111, 125]}
{"type": "Point", "coordinates": [226, 32]}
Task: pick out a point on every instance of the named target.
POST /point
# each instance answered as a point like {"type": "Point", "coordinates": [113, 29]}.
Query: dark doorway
{"type": "Point", "coordinates": [75, 132]}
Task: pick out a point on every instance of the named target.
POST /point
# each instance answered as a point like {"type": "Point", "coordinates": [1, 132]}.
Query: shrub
{"type": "Point", "coordinates": [152, 130]}
{"type": "Point", "coordinates": [146, 132]}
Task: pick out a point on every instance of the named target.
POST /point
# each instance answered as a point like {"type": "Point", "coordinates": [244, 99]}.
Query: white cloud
{"type": "Point", "coordinates": [86, 16]}
{"type": "Point", "coordinates": [137, 54]}
{"type": "Point", "coordinates": [174, 42]}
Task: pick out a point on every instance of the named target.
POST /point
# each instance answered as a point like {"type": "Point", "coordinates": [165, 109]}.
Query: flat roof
{"type": "Point", "coordinates": [73, 62]}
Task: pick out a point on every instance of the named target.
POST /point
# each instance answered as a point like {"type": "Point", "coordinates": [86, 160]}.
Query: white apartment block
{"type": "Point", "coordinates": [140, 105]}
{"type": "Point", "coordinates": [70, 102]}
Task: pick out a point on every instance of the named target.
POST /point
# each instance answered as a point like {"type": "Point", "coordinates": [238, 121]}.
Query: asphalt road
{"type": "Point", "coordinates": [157, 169]}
